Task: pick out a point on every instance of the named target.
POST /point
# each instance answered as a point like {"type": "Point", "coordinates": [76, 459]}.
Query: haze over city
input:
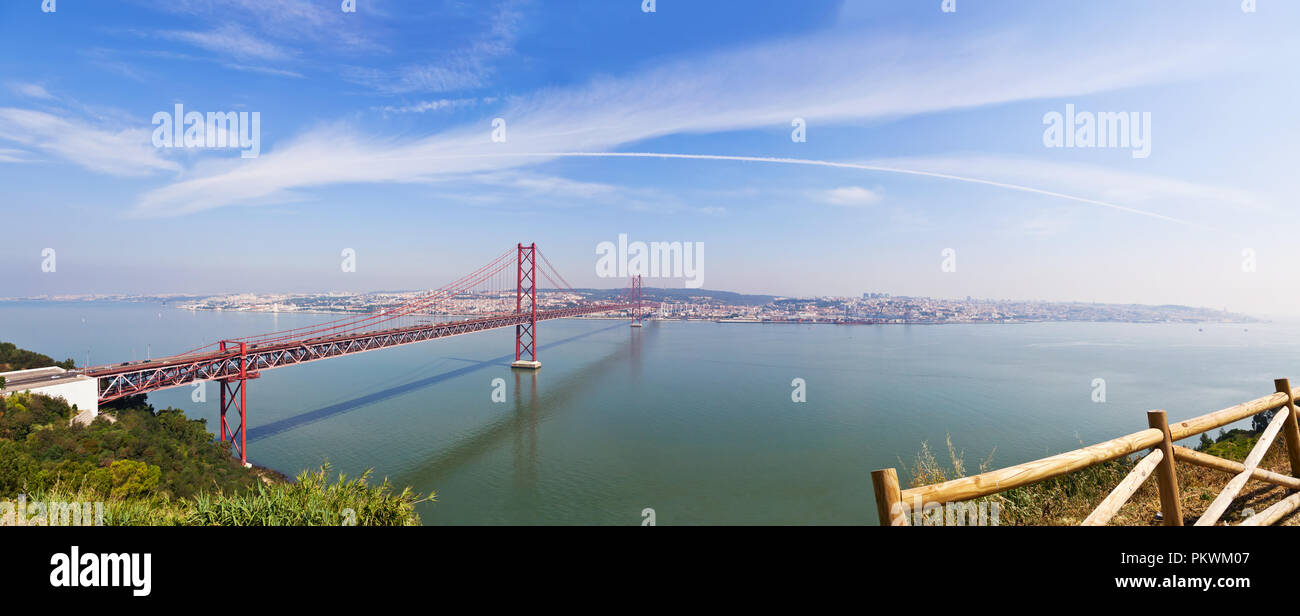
{"type": "Point", "coordinates": [376, 134]}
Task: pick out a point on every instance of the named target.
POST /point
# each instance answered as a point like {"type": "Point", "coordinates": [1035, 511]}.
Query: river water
{"type": "Point", "coordinates": [693, 420]}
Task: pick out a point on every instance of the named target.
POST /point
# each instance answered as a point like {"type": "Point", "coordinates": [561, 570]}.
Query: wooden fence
{"type": "Point", "coordinates": [895, 506]}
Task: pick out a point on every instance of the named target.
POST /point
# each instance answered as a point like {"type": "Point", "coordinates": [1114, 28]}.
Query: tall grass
{"type": "Point", "coordinates": [312, 500]}
{"type": "Point", "coordinates": [1067, 499]}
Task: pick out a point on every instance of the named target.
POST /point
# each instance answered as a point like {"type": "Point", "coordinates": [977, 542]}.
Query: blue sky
{"type": "Point", "coordinates": [376, 135]}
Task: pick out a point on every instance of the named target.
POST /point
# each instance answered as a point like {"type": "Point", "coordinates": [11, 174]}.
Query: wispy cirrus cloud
{"type": "Point", "coordinates": [230, 40]}
{"type": "Point", "coordinates": [113, 151]}
{"type": "Point", "coordinates": [266, 70]}
{"type": "Point", "coordinates": [270, 37]}
{"type": "Point", "coordinates": [440, 104]}
{"type": "Point", "coordinates": [849, 196]}
{"type": "Point", "coordinates": [31, 90]}
{"type": "Point", "coordinates": [825, 78]}
{"type": "Point", "coordinates": [1139, 189]}
{"type": "Point", "coordinates": [283, 20]}
{"type": "Point", "coordinates": [463, 68]}
{"type": "Point", "coordinates": [13, 156]}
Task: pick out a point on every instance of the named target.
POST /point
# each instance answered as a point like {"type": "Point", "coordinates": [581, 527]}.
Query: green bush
{"type": "Point", "coordinates": [133, 479]}
{"type": "Point", "coordinates": [141, 453]}
{"type": "Point", "coordinates": [1233, 445]}
{"type": "Point", "coordinates": [162, 468]}
{"type": "Point", "coordinates": [312, 500]}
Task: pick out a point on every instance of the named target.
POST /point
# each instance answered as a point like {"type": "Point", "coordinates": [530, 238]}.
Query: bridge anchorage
{"type": "Point", "coordinates": [234, 362]}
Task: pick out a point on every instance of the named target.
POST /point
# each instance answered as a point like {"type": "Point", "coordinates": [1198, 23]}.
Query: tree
{"type": "Point", "coordinates": [133, 479]}
{"type": "Point", "coordinates": [1260, 421]}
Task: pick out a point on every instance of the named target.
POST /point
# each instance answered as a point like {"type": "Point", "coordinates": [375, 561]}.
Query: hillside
{"type": "Point", "coordinates": [158, 467]}
{"type": "Point", "coordinates": [14, 358]}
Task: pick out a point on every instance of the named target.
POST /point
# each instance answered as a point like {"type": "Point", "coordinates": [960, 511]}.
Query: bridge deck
{"type": "Point", "coordinates": [143, 377]}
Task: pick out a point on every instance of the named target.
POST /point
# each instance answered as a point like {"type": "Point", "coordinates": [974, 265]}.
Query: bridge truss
{"type": "Point", "coordinates": [233, 363]}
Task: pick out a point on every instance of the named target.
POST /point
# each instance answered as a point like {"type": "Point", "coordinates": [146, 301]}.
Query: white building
{"type": "Point", "coordinates": [78, 390]}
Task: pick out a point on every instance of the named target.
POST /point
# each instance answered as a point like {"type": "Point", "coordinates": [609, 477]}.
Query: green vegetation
{"type": "Point", "coordinates": [312, 501]}
{"type": "Point", "coordinates": [160, 468]}
{"type": "Point", "coordinates": [1233, 445]}
{"type": "Point", "coordinates": [143, 452]}
{"type": "Point", "coordinates": [14, 358]}
{"type": "Point", "coordinates": [157, 467]}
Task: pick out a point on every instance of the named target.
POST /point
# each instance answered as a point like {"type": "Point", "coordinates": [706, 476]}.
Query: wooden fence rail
{"type": "Point", "coordinates": [895, 506]}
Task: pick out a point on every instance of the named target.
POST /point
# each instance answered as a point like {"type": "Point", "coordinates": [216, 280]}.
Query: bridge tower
{"type": "Point", "coordinates": [526, 288]}
{"type": "Point", "coordinates": [636, 298]}
{"type": "Point", "coordinates": [234, 393]}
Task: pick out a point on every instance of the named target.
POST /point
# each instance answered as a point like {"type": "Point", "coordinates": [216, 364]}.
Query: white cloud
{"type": "Point", "coordinates": [124, 152]}
{"type": "Point", "coordinates": [232, 40]}
{"type": "Point", "coordinates": [453, 74]}
{"type": "Point", "coordinates": [13, 156]}
{"type": "Point", "coordinates": [431, 105]}
{"type": "Point", "coordinates": [852, 196]}
{"type": "Point", "coordinates": [265, 70]}
{"type": "Point", "coordinates": [825, 79]}
{"type": "Point", "coordinates": [31, 90]}
{"type": "Point", "coordinates": [293, 20]}
{"type": "Point", "coordinates": [1175, 197]}
{"type": "Point", "coordinates": [464, 68]}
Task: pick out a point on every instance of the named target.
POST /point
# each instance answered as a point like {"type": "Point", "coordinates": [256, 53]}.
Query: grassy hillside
{"type": "Point", "coordinates": [161, 468]}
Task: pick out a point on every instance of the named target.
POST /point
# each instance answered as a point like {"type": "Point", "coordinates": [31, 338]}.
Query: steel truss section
{"type": "Point", "coordinates": [121, 381]}
{"type": "Point", "coordinates": [526, 330]}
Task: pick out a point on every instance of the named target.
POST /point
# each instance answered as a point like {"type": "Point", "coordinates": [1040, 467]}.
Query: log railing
{"type": "Point", "coordinates": [895, 506]}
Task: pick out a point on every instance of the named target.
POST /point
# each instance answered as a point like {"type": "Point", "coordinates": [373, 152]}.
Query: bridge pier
{"type": "Point", "coordinates": [234, 393]}
{"type": "Point", "coordinates": [636, 296]}
{"type": "Point", "coordinates": [526, 287]}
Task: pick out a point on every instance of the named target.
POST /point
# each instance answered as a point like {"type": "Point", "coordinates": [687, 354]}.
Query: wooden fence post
{"type": "Point", "coordinates": [1166, 476]}
{"type": "Point", "coordinates": [1292, 428]}
{"type": "Point", "coordinates": [888, 497]}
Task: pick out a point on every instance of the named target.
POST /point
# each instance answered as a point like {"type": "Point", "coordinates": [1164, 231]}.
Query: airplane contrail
{"type": "Point", "coordinates": [842, 165]}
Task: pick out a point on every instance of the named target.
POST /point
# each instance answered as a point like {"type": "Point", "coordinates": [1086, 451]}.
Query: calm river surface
{"type": "Point", "coordinates": [694, 420]}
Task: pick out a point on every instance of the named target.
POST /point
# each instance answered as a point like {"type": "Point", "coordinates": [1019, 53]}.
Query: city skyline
{"type": "Point", "coordinates": [879, 307]}
{"type": "Point", "coordinates": [376, 134]}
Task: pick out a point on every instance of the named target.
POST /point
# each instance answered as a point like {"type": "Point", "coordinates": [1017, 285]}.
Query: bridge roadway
{"type": "Point", "coordinates": [134, 378]}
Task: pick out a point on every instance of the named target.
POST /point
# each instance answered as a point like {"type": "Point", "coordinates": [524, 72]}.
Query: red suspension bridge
{"type": "Point", "coordinates": [234, 362]}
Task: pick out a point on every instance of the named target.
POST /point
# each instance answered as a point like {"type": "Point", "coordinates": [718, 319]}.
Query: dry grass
{"type": "Point", "coordinates": [1068, 499]}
